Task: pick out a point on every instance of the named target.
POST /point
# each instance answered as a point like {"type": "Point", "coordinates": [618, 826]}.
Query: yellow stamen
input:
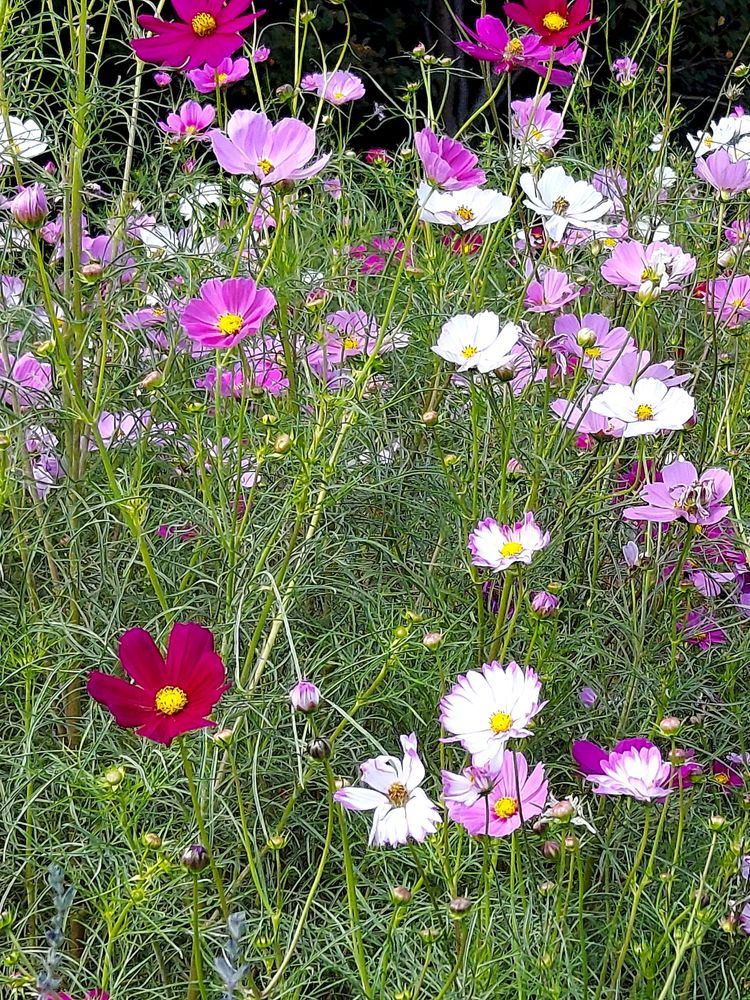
{"type": "Point", "coordinates": [644, 412]}
{"type": "Point", "coordinates": [500, 722]}
{"type": "Point", "coordinates": [593, 352]}
{"type": "Point", "coordinates": [229, 323]}
{"type": "Point", "coordinates": [465, 213]}
{"type": "Point", "coordinates": [350, 343]}
{"type": "Point", "coordinates": [203, 24]}
{"type": "Point", "coordinates": [397, 794]}
{"type": "Point", "coordinates": [221, 77]}
{"type": "Point", "coordinates": [339, 95]}
{"type": "Point", "coordinates": [511, 549]}
{"type": "Point", "coordinates": [721, 779]}
{"type": "Point", "coordinates": [560, 206]}
{"type": "Point", "coordinates": [266, 166]}
{"type": "Point", "coordinates": [469, 352]}
{"type": "Point", "coordinates": [506, 807]}
{"type": "Point", "coordinates": [170, 700]}
{"type": "Point", "coordinates": [554, 21]}
{"type": "Point", "coordinates": [513, 49]}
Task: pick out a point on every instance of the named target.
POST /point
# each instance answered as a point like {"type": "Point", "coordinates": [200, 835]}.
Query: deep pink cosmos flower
{"type": "Point", "coordinates": [725, 175]}
{"type": "Point", "coordinates": [505, 798]}
{"type": "Point", "coordinates": [208, 78]}
{"type": "Point", "coordinates": [447, 163]}
{"type": "Point", "coordinates": [271, 153]}
{"type": "Point", "coordinates": [701, 631]}
{"type": "Point", "coordinates": [337, 88]}
{"type": "Point", "coordinates": [490, 42]}
{"type": "Point", "coordinates": [729, 299]}
{"type": "Point", "coordinates": [189, 121]}
{"type": "Point", "coordinates": [554, 22]}
{"type": "Point", "coordinates": [207, 32]}
{"type": "Point", "coordinates": [725, 776]}
{"type": "Point", "coordinates": [226, 311]}
{"type": "Point", "coordinates": [551, 293]}
{"type": "Point", "coordinates": [682, 493]}
{"type": "Point", "coordinates": [169, 697]}
{"type": "Point", "coordinates": [649, 269]}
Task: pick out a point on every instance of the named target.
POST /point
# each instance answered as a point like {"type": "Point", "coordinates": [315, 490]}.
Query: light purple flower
{"type": "Point", "coordinates": [27, 381]}
{"type": "Point", "coordinates": [544, 604]}
{"type": "Point", "coordinates": [630, 367]}
{"type": "Point", "coordinates": [536, 127]}
{"type": "Point", "coordinates": [208, 78]}
{"type": "Point", "coordinates": [271, 153]}
{"type": "Point", "coordinates": [261, 54]}
{"type": "Point", "coordinates": [591, 342]}
{"type": "Point", "coordinates": [702, 631]}
{"type": "Point", "coordinates": [729, 299]}
{"type": "Point", "coordinates": [29, 207]}
{"type": "Point", "coordinates": [448, 163]}
{"type": "Point", "coordinates": [189, 121]}
{"type": "Point", "coordinates": [625, 70]}
{"type": "Point", "coordinates": [649, 269]}
{"type": "Point", "coordinates": [578, 416]}
{"type": "Point", "coordinates": [684, 494]}
{"type": "Point", "coordinates": [340, 87]}
{"type": "Point", "coordinates": [553, 292]}
{"type": "Point", "coordinates": [401, 808]}
{"type": "Point", "coordinates": [497, 546]}
{"type": "Point", "coordinates": [724, 174]}
{"type": "Point", "coordinates": [515, 796]}
{"type": "Point", "coordinates": [631, 554]}
{"type": "Point", "coordinates": [588, 697]}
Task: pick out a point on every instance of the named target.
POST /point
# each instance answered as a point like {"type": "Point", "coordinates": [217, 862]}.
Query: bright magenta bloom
{"type": "Point", "coordinates": [208, 78]}
{"type": "Point", "coordinates": [169, 697]}
{"type": "Point", "coordinates": [271, 153]}
{"type": "Point", "coordinates": [226, 311]}
{"type": "Point", "coordinates": [701, 631]}
{"type": "Point", "coordinates": [513, 798]}
{"type": "Point", "coordinates": [447, 162]}
{"type": "Point", "coordinates": [554, 22]}
{"type": "Point", "coordinates": [682, 493]}
{"type": "Point", "coordinates": [490, 42]}
{"type": "Point", "coordinates": [208, 30]}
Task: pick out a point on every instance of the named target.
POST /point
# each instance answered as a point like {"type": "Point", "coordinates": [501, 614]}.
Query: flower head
{"type": "Point", "coordinates": [725, 776]}
{"type": "Point", "coordinates": [271, 153]}
{"type": "Point", "coordinates": [725, 175]}
{"type": "Point", "coordinates": [340, 87]}
{"type": "Point", "coordinates": [207, 31]}
{"type": "Point", "coordinates": [682, 493]}
{"type": "Point", "coordinates": [551, 293]}
{"type": "Point", "coordinates": [464, 209]}
{"type": "Point", "coordinates": [207, 78]}
{"type": "Point", "coordinates": [729, 299]}
{"type": "Point", "coordinates": [649, 269]}
{"type": "Point", "coordinates": [168, 697]}
{"type": "Point", "coordinates": [304, 696]}
{"type": "Point", "coordinates": [29, 207]}
{"type": "Point", "coordinates": [513, 796]}
{"type": "Point", "coordinates": [702, 631]}
{"type": "Point", "coordinates": [646, 407]}
{"type": "Point", "coordinates": [625, 70]}
{"type": "Point", "coordinates": [564, 202]}
{"type": "Point", "coordinates": [226, 311]}
{"type": "Point", "coordinates": [553, 20]}
{"type": "Point", "coordinates": [484, 709]}
{"type": "Point", "coordinates": [447, 163]}
{"type": "Point", "coordinates": [490, 42]}
{"type": "Point", "coordinates": [477, 342]}
{"type": "Point", "coordinates": [401, 808]}
{"type": "Point", "coordinates": [497, 546]}
{"type": "Point", "coordinates": [638, 771]}
{"type": "Point", "coordinates": [189, 121]}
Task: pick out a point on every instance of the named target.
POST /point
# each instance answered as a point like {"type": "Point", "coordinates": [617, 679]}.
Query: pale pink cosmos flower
{"type": "Point", "coordinates": [189, 121]}
{"type": "Point", "coordinates": [646, 407]}
{"type": "Point", "coordinates": [631, 366]}
{"type": "Point", "coordinates": [466, 788]}
{"type": "Point", "coordinates": [578, 417]}
{"type": "Point", "coordinates": [591, 342]}
{"type": "Point", "coordinates": [226, 311]}
{"type": "Point", "coordinates": [729, 299]}
{"type": "Point", "coordinates": [649, 269]}
{"type": "Point", "coordinates": [340, 87]}
{"type": "Point", "coordinates": [347, 335]}
{"type": "Point", "coordinates": [27, 382]}
{"type": "Point", "coordinates": [484, 709]}
{"type": "Point", "coordinates": [516, 796]}
{"type": "Point", "coordinates": [551, 293]}
{"type": "Point", "coordinates": [727, 176]}
{"type": "Point", "coordinates": [497, 546]}
{"type": "Point", "coordinates": [228, 70]}
{"type": "Point", "coordinates": [639, 772]}
{"type": "Point", "coordinates": [684, 494]}
{"type": "Point", "coordinates": [537, 129]}
{"type": "Point", "coordinates": [271, 153]}
{"type": "Point", "coordinates": [401, 809]}
{"type": "Point", "coordinates": [447, 163]}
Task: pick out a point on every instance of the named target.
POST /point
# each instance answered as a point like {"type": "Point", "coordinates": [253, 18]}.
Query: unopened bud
{"type": "Point", "coordinates": [304, 696]}
{"type": "Point", "coordinates": [151, 840]}
{"type": "Point", "coordinates": [432, 640]}
{"type": "Point", "coordinates": [546, 888]}
{"type": "Point", "coordinates": [92, 271]}
{"type": "Point", "coordinates": [319, 748]}
{"type": "Point", "coordinates": [562, 810]}
{"type": "Point", "coordinates": [276, 843]}
{"type": "Point", "coordinates": [430, 418]}
{"type": "Point", "coordinates": [459, 906]}
{"type": "Point", "coordinates": [429, 934]}
{"type": "Point", "coordinates": [716, 823]}
{"type": "Point", "coordinates": [400, 895]}
{"type": "Point", "coordinates": [282, 444]}
{"type": "Point", "coordinates": [550, 848]}
{"type": "Point", "coordinates": [29, 207]}
{"type": "Point", "coordinates": [586, 337]}
{"type": "Point", "coordinates": [670, 725]}
{"type": "Point", "coordinates": [223, 737]}
{"type": "Point", "coordinates": [153, 380]}
{"type": "Point", "coordinates": [114, 776]}
{"type": "Point", "coordinates": [544, 604]}
{"type": "Point", "coordinates": [195, 858]}
{"type": "Point", "coordinates": [505, 374]}
{"type": "Point", "coordinates": [728, 924]}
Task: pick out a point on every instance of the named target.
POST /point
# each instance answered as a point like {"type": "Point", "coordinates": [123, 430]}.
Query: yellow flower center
{"type": "Point", "coordinates": [159, 311]}
{"type": "Point", "coordinates": [738, 303]}
{"type": "Point", "coordinates": [203, 24]}
{"type": "Point", "coordinates": [465, 213]}
{"type": "Point", "coordinates": [560, 206]}
{"type": "Point", "coordinates": [397, 794]}
{"type": "Point", "coordinates": [644, 412]}
{"type": "Point", "coordinates": [500, 722]}
{"type": "Point", "coordinates": [593, 352]}
{"type": "Point", "coordinates": [190, 129]}
{"type": "Point", "coordinates": [266, 166]}
{"type": "Point", "coordinates": [554, 21]}
{"type": "Point", "coordinates": [506, 807]}
{"type": "Point", "coordinates": [339, 95]}
{"type": "Point", "coordinates": [229, 323]}
{"type": "Point", "coordinates": [535, 133]}
{"type": "Point", "coordinates": [350, 343]}
{"type": "Point", "coordinates": [221, 77]}
{"type": "Point", "coordinates": [609, 241]}
{"type": "Point", "coordinates": [511, 549]}
{"type": "Point", "coordinates": [170, 700]}
{"type": "Point", "coordinates": [649, 274]}
{"type": "Point", "coordinates": [721, 779]}
{"type": "Point", "coordinates": [700, 637]}
{"type": "Point", "coordinates": [513, 49]}
{"type": "Point", "coordinates": [469, 352]}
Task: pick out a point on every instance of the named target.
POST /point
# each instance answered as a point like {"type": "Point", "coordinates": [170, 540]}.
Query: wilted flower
{"type": "Point", "coordinates": [497, 546]}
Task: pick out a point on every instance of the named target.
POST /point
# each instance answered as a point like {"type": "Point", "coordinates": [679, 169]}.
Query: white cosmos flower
{"type": "Point", "coordinates": [465, 209]}
{"type": "Point", "coordinates": [564, 201]}
{"type": "Point", "coordinates": [497, 546]}
{"type": "Point", "coordinates": [645, 408]}
{"type": "Point", "coordinates": [731, 133]}
{"type": "Point", "coordinates": [401, 808]}
{"type": "Point", "coordinates": [25, 140]}
{"type": "Point", "coordinates": [483, 710]}
{"type": "Point", "coordinates": [477, 342]}
{"type": "Point", "coordinates": [204, 193]}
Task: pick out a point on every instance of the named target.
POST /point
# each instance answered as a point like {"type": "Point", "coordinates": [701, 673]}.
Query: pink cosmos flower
{"type": "Point", "coordinates": [649, 269]}
{"type": "Point", "coordinates": [228, 70]}
{"type": "Point", "coordinates": [498, 546]}
{"type": "Point", "coordinates": [207, 31]}
{"type": "Point", "coordinates": [729, 299]}
{"type": "Point", "coordinates": [490, 42]}
{"type": "Point", "coordinates": [551, 293]}
{"type": "Point", "coordinates": [580, 418]}
{"type": "Point", "coordinates": [261, 54]}
{"type": "Point", "coordinates": [682, 493]}
{"type": "Point", "coordinates": [725, 175]}
{"type": "Point", "coordinates": [189, 121]}
{"type": "Point", "coordinates": [700, 630]}
{"type": "Point", "coordinates": [447, 163]}
{"type": "Point", "coordinates": [535, 126]}
{"type": "Point", "coordinates": [348, 335]}
{"type": "Point", "coordinates": [725, 776]}
{"type": "Point", "coordinates": [226, 311]}
{"type": "Point", "coordinates": [401, 809]}
{"type": "Point", "coordinates": [162, 79]}
{"type": "Point", "coordinates": [590, 756]}
{"type": "Point", "coordinates": [27, 381]}
{"type": "Point", "coordinates": [515, 796]}
{"type": "Point", "coordinates": [631, 366]}
{"type": "Point", "coordinates": [553, 20]}
{"type": "Point", "coordinates": [638, 771]}
{"type": "Point", "coordinates": [271, 153]}
{"type": "Point", "coordinates": [591, 342]}
{"type": "Point", "coordinates": [625, 70]}
{"type": "Point", "coordinates": [340, 87]}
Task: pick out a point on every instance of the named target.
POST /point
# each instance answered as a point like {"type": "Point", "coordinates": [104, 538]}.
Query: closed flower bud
{"type": "Point", "coordinates": [153, 380]}
{"type": "Point", "coordinates": [459, 906]}
{"type": "Point", "coordinates": [316, 299]}
{"type": "Point", "coordinates": [430, 418]}
{"type": "Point", "coordinates": [546, 888]}
{"type": "Point", "coordinates": [670, 725]}
{"type": "Point", "coordinates": [319, 748]}
{"type": "Point", "coordinates": [114, 776]}
{"type": "Point", "coordinates": [222, 737]}
{"type": "Point", "coordinates": [92, 271]}
{"type": "Point", "coordinates": [547, 960]}
{"type": "Point", "coordinates": [571, 842]}
{"type": "Point", "coordinates": [514, 468]}
{"type": "Point", "coordinates": [282, 444]}
{"type": "Point", "coordinates": [505, 374]}
{"type": "Point", "coordinates": [429, 934]}
{"type": "Point", "coordinates": [304, 696]}
{"type": "Point", "coordinates": [151, 840]}
{"type": "Point", "coordinates": [586, 337]}
{"type": "Point", "coordinates": [544, 604]}
{"type": "Point", "coordinates": [29, 207]}
{"type": "Point", "coordinates": [716, 823]}
{"type": "Point", "coordinates": [550, 848]}
{"type": "Point", "coordinates": [401, 632]}
{"type": "Point", "coordinates": [400, 895]}
{"type": "Point", "coordinates": [728, 924]}
{"type": "Point", "coordinates": [588, 697]}
{"type": "Point", "coordinates": [432, 640]}
{"type": "Point", "coordinates": [276, 843]}
{"type": "Point", "coordinates": [195, 858]}
{"type": "Point", "coordinates": [562, 810]}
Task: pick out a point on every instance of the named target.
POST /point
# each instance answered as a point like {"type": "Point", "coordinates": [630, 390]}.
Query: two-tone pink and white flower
{"type": "Point", "coordinates": [648, 269]}
{"type": "Point", "coordinates": [497, 546]}
{"type": "Point", "coordinates": [683, 494]}
{"type": "Point", "coordinates": [447, 163]}
{"type": "Point", "coordinates": [337, 88]}
{"type": "Point", "coordinates": [515, 797]}
{"type": "Point", "coordinates": [638, 772]}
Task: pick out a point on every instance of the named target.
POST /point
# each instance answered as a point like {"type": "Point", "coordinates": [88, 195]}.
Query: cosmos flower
{"type": "Point", "coordinates": [702, 631]}
{"type": "Point", "coordinates": [682, 493]}
{"type": "Point", "coordinates": [646, 407]}
{"type": "Point", "coordinates": [649, 269]}
{"type": "Point", "coordinates": [464, 209]}
{"type": "Point", "coordinates": [477, 342]}
{"type": "Point", "coordinates": [725, 175]}
{"type": "Point", "coordinates": [22, 140]}
{"type": "Point", "coordinates": [484, 709]}
{"type": "Point", "coordinates": [639, 772]}
{"type": "Point", "coordinates": [189, 121]}
{"type": "Point", "coordinates": [625, 70]}
{"type": "Point", "coordinates": [537, 129]}
{"type": "Point", "coordinates": [226, 311]}
{"type": "Point", "coordinates": [490, 42]}
{"type": "Point", "coordinates": [729, 299]}
{"type": "Point", "coordinates": [514, 797]}
{"type": "Point", "coordinates": [27, 381]}
{"type": "Point", "coordinates": [447, 163]}
{"type": "Point", "coordinates": [591, 342]}
{"type": "Point", "coordinates": [340, 87]}
{"type": "Point", "coordinates": [554, 22]}
{"type": "Point", "coordinates": [564, 202]}
{"type": "Point", "coordinates": [168, 697]}
{"type": "Point", "coordinates": [207, 78]}
{"type": "Point", "coordinates": [725, 776]}
{"type": "Point", "coordinates": [550, 292]}
{"type": "Point", "coordinates": [578, 416]}
{"type": "Point", "coordinates": [498, 546]}
{"type": "Point", "coordinates": [253, 145]}
{"type": "Point", "coordinates": [401, 809]}
{"type": "Point", "coordinates": [207, 32]}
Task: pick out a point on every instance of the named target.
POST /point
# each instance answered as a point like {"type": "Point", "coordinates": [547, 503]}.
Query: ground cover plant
{"type": "Point", "coordinates": [374, 549]}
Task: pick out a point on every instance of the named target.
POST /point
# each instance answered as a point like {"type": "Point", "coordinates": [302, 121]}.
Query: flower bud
{"type": "Point", "coordinates": [276, 843]}
{"type": "Point", "coordinates": [222, 737]}
{"type": "Point", "coordinates": [562, 810]}
{"type": "Point", "coordinates": [716, 823]}
{"type": "Point", "coordinates": [430, 418]}
{"type": "Point", "coordinates": [586, 337]}
{"type": "Point", "coordinates": [316, 299]}
{"type": "Point", "coordinates": [304, 696]}
{"type": "Point", "coordinates": [544, 604]}
{"type": "Point", "coordinates": [282, 444]}
{"type": "Point", "coordinates": [114, 776]}
{"type": "Point", "coordinates": [151, 840]}
{"type": "Point", "coordinates": [670, 725]}
{"type": "Point", "coordinates": [505, 374]}
{"type": "Point", "coordinates": [588, 697]}
{"type": "Point", "coordinates": [550, 848]}
{"type": "Point", "coordinates": [547, 960]}
{"type": "Point", "coordinates": [400, 633]}
{"type": "Point", "coordinates": [29, 207]}
{"type": "Point", "coordinates": [429, 934]}
{"type": "Point", "coordinates": [459, 906]}
{"type": "Point", "coordinates": [514, 468]}
{"type": "Point", "coordinates": [319, 748]}
{"type": "Point", "coordinates": [400, 895]}
{"type": "Point", "coordinates": [432, 640]}
{"type": "Point", "coordinates": [195, 858]}
{"type": "Point", "coordinates": [92, 271]}
{"type": "Point", "coordinates": [546, 888]}
{"type": "Point", "coordinates": [571, 842]}
{"type": "Point", "coordinates": [153, 380]}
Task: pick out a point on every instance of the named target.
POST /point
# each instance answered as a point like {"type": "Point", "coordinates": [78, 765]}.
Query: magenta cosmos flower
{"type": "Point", "coordinates": [649, 269]}
{"type": "Point", "coordinates": [505, 798]}
{"type": "Point", "coordinates": [552, 292]}
{"type": "Point", "coordinates": [169, 697]}
{"type": "Point", "coordinates": [189, 121]}
{"type": "Point", "coordinates": [553, 20]}
{"type": "Point", "coordinates": [337, 88]}
{"type": "Point", "coordinates": [725, 776]}
{"type": "Point", "coordinates": [591, 342]}
{"type": "Point", "coordinates": [208, 78]}
{"type": "Point", "coordinates": [490, 42]}
{"type": "Point", "coordinates": [497, 546]}
{"type": "Point", "coordinates": [271, 153]}
{"type": "Point", "coordinates": [682, 493]}
{"type": "Point", "coordinates": [226, 311]}
{"type": "Point", "coordinates": [447, 163]}
{"type": "Point", "coordinates": [207, 31]}
{"type": "Point", "coordinates": [701, 631]}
